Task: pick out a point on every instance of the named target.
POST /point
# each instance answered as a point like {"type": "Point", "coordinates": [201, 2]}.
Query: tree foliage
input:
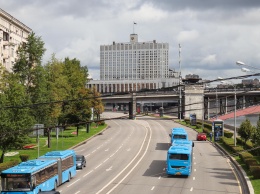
{"type": "Point", "coordinates": [29, 56]}
{"type": "Point", "coordinates": [246, 130]}
{"type": "Point", "coordinates": [15, 118]}
{"type": "Point", "coordinates": [50, 94]}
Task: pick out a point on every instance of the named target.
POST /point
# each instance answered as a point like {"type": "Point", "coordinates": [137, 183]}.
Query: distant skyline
{"type": "Point", "coordinates": [213, 34]}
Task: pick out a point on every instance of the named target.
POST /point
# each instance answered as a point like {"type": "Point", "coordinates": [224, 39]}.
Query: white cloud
{"type": "Point", "coordinates": [212, 35]}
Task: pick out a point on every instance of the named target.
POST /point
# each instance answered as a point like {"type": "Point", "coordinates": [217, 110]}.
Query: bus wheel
{"type": "Point", "coordinates": [69, 177]}
{"type": "Point", "coordinates": [55, 185]}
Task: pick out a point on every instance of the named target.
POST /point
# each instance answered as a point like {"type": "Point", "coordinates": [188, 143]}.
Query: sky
{"type": "Point", "coordinates": [213, 34]}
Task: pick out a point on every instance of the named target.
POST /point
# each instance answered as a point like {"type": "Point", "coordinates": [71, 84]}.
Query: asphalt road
{"type": "Point", "coordinates": [130, 158]}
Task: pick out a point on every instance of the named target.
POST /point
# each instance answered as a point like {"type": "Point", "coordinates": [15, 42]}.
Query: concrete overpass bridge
{"type": "Point", "coordinates": [205, 103]}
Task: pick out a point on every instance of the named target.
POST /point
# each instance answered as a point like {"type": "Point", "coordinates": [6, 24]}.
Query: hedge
{"type": "Point", "coordinates": [255, 170]}
{"type": "Point", "coordinates": [250, 162]}
{"type": "Point", "coordinates": [24, 157]}
{"type": "Point", "coordinates": [9, 164]}
{"type": "Point", "coordinates": [245, 155]}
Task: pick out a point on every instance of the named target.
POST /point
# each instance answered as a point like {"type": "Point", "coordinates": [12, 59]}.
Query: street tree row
{"type": "Point", "coordinates": [53, 94]}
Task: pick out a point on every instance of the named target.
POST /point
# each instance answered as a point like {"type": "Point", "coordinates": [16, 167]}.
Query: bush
{"type": "Point", "coordinates": [228, 134]}
{"type": "Point", "coordinates": [24, 157]}
{"type": "Point", "coordinates": [237, 149]}
{"type": "Point", "coordinates": [255, 170]}
{"type": "Point", "coordinates": [9, 164]}
{"type": "Point", "coordinates": [245, 155]}
{"type": "Point", "coordinates": [250, 162]}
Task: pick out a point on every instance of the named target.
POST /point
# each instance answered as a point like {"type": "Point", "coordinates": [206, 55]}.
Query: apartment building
{"type": "Point", "coordinates": [12, 34]}
{"type": "Point", "coordinates": [134, 66]}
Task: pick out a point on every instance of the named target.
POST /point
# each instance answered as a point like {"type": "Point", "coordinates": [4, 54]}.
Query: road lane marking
{"type": "Point", "coordinates": [191, 189]}
{"type": "Point", "coordinates": [77, 192]}
{"type": "Point", "coordinates": [88, 173]}
{"type": "Point", "coordinates": [106, 160]}
{"type": "Point", "coordinates": [159, 177]}
{"type": "Point", "coordinates": [98, 166]}
{"type": "Point", "coordinates": [110, 168]}
{"type": "Point", "coordinates": [73, 183]}
{"type": "Point", "coordinates": [149, 140]}
{"type": "Point", "coordinates": [193, 178]}
{"type": "Point", "coordinates": [152, 188]}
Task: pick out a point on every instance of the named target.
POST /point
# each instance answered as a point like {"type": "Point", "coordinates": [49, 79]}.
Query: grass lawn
{"type": "Point", "coordinates": [66, 140]}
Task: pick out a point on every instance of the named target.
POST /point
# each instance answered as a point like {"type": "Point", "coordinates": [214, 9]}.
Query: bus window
{"type": "Point", "coordinates": [179, 157]}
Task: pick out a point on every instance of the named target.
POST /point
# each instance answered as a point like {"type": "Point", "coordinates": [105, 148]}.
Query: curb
{"type": "Point", "coordinates": [246, 183]}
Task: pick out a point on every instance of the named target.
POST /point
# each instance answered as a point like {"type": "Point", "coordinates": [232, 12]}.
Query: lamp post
{"type": "Point", "coordinates": [240, 63]}
{"type": "Point", "coordinates": [216, 102]}
{"type": "Point", "coordinates": [235, 112]}
{"type": "Point", "coordinates": [180, 108]}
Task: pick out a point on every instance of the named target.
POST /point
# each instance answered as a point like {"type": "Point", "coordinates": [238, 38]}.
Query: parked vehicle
{"type": "Point", "coordinates": [201, 137]}
{"type": "Point", "coordinates": [80, 161]}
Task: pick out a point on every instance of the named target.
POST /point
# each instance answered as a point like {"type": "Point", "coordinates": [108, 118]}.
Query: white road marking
{"type": "Point", "coordinates": [191, 189]}
{"type": "Point", "coordinates": [73, 183]}
{"type": "Point", "coordinates": [88, 173]}
{"type": "Point", "coordinates": [106, 150]}
{"type": "Point", "coordinates": [149, 140]}
{"type": "Point", "coordinates": [98, 166]}
{"type": "Point", "coordinates": [195, 170]}
{"type": "Point", "coordinates": [193, 178]}
{"type": "Point", "coordinates": [152, 188]}
{"type": "Point", "coordinates": [110, 168]}
{"type": "Point", "coordinates": [159, 177]}
{"type": "Point", "coordinates": [106, 160]}
{"type": "Point", "coordinates": [77, 192]}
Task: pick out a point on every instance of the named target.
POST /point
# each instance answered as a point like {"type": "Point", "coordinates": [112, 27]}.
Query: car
{"type": "Point", "coordinates": [201, 137]}
{"type": "Point", "coordinates": [80, 161]}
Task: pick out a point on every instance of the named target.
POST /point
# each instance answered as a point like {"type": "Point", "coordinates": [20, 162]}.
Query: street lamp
{"type": "Point", "coordinates": [240, 63]}
{"type": "Point", "coordinates": [180, 108]}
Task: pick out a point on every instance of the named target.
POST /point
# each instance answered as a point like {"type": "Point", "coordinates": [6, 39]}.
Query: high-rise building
{"type": "Point", "coordinates": [134, 60]}
{"type": "Point", "coordinates": [12, 34]}
{"type": "Point", "coordinates": [134, 66]}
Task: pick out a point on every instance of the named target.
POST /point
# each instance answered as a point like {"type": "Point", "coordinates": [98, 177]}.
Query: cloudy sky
{"type": "Point", "coordinates": [213, 34]}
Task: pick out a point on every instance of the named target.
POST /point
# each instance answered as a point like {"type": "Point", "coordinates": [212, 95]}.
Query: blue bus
{"type": "Point", "coordinates": [179, 159]}
{"type": "Point", "coordinates": [43, 174]}
{"type": "Point", "coordinates": [178, 133]}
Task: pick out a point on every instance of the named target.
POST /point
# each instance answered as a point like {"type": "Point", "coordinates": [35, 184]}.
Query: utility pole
{"type": "Point", "coordinates": [180, 105]}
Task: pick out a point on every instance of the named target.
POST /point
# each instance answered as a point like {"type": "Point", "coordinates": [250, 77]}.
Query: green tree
{"type": "Point", "coordinates": [15, 117]}
{"type": "Point", "coordinates": [58, 88]}
{"type": "Point", "coordinates": [256, 136]}
{"type": "Point", "coordinates": [96, 103]}
{"type": "Point", "coordinates": [246, 130]}
{"type": "Point", "coordinates": [29, 56]}
{"type": "Point", "coordinates": [77, 109]}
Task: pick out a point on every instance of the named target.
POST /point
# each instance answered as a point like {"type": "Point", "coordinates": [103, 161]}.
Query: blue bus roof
{"type": "Point", "coordinates": [180, 149]}
{"type": "Point", "coordinates": [178, 129]}
{"type": "Point", "coordinates": [58, 154]}
{"type": "Point", "coordinates": [177, 142]}
{"type": "Point", "coordinates": [29, 166]}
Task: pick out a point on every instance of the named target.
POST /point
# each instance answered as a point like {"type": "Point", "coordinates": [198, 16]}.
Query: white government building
{"type": "Point", "coordinates": [134, 66]}
{"type": "Point", "coordinates": [12, 33]}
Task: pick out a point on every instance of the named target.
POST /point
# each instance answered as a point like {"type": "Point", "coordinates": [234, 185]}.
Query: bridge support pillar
{"type": "Point", "coordinates": [132, 109]}
{"type": "Point", "coordinates": [194, 101]}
